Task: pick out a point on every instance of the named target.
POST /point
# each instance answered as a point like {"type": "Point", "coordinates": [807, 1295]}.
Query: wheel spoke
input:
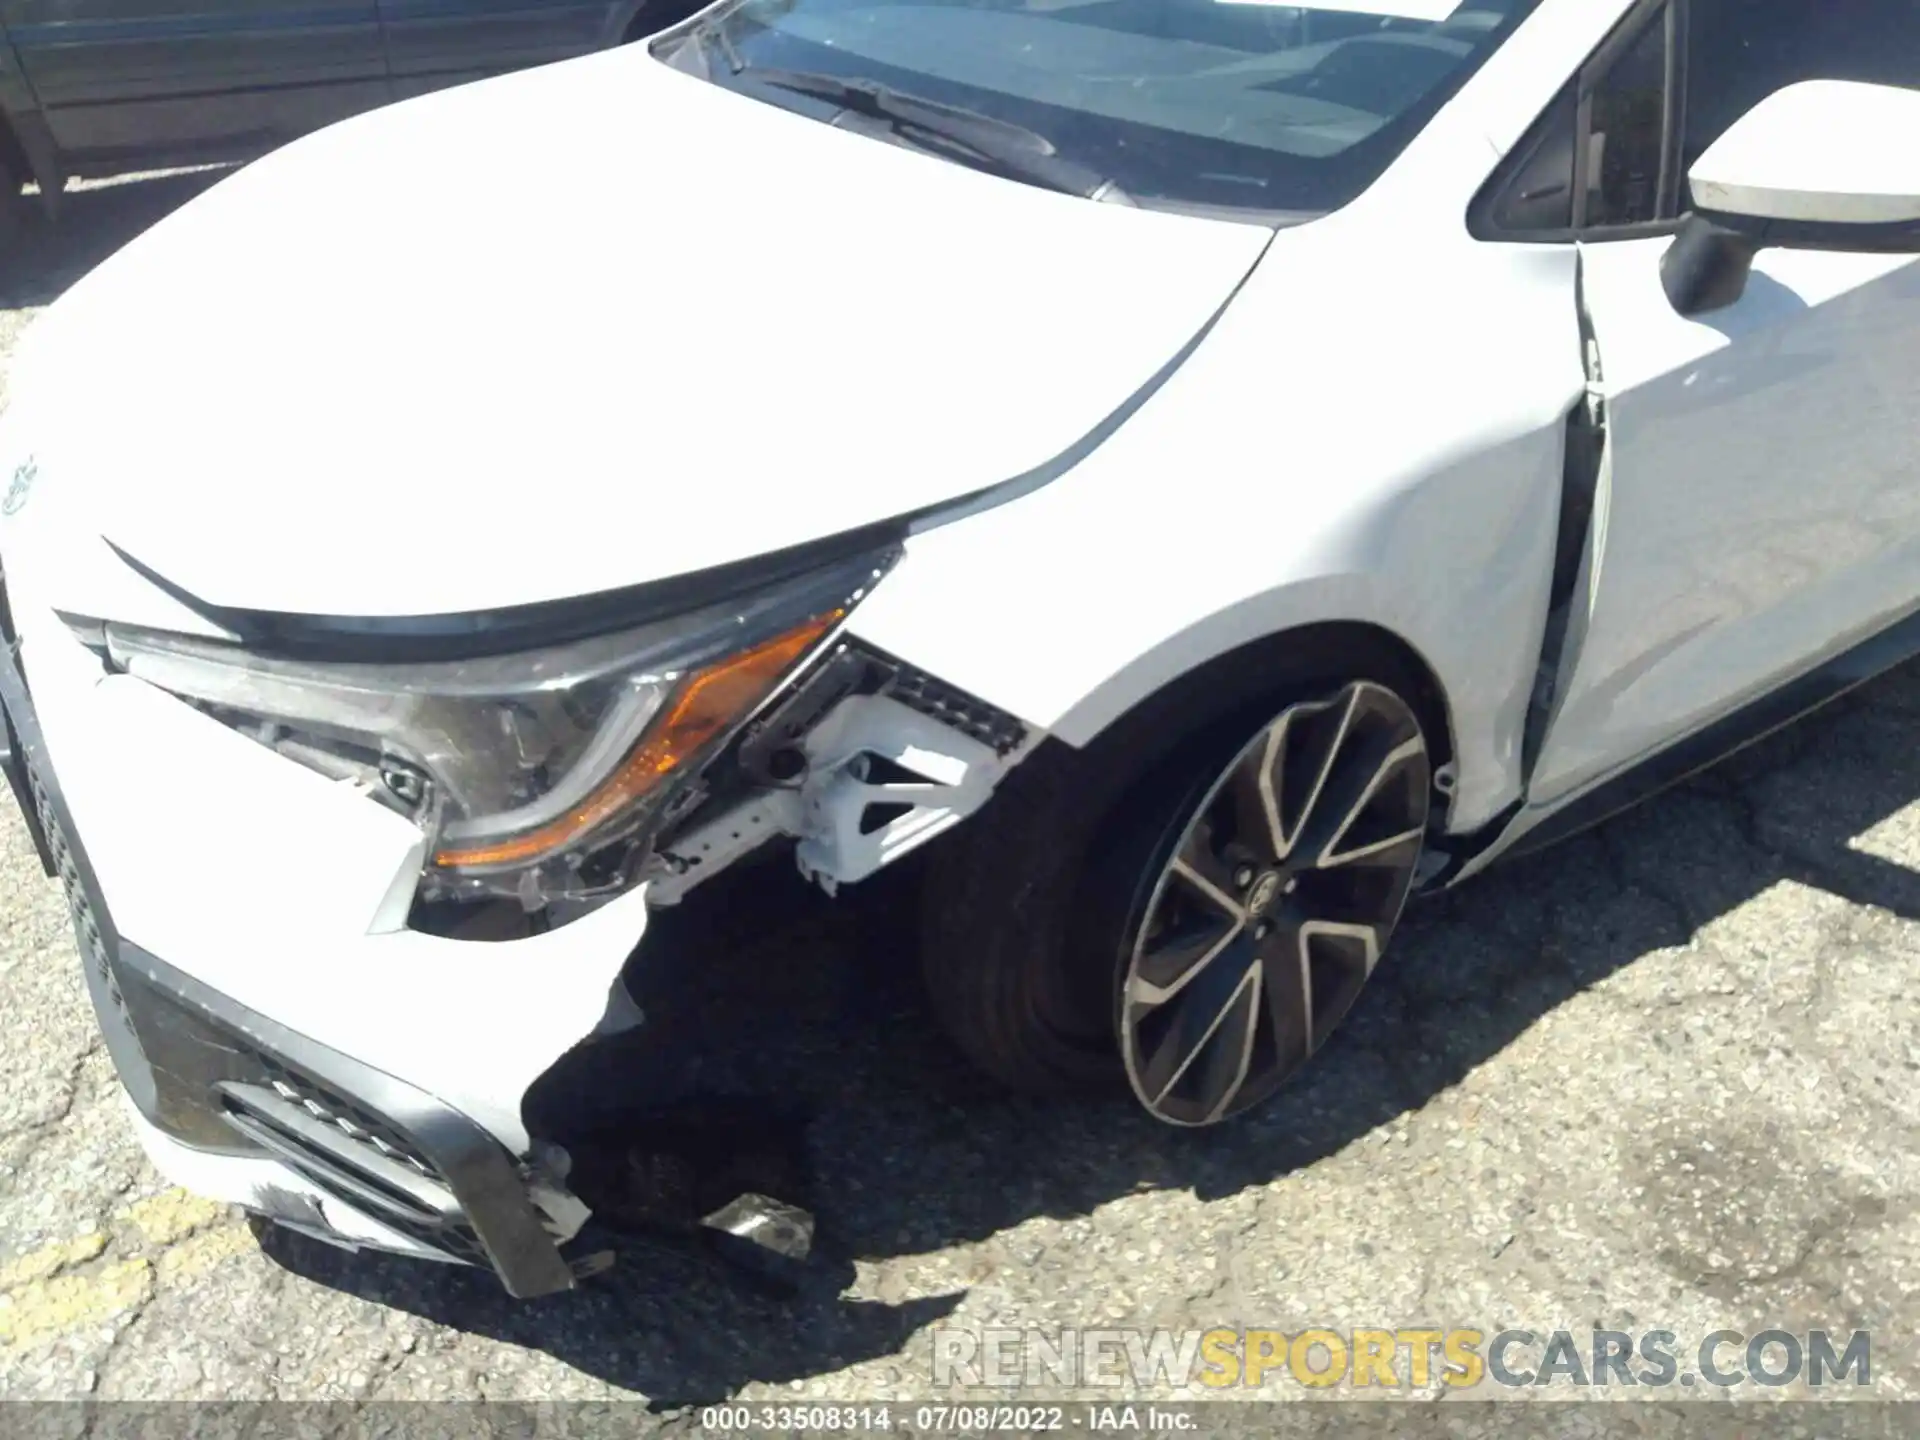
{"type": "Point", "coordinates": [1232, 1047]}
{"type": "Point", "coordinates": [1306, 742]}
{"type": "Point", "coordinates": [1356, 947]}
{"type": "Point", "coordinates": [1201, 875]}
{"type": "Point", "coordinates": [1166, 966]}
{"type": "Point", "coordinates": [1370, 763]}
{"type": "Point", "coordinates": [1208, 1043]}
{"type": "Point", "coordinates": [1362, 822]}
{"type": "Point", "coordinates": [1256, 803]}
{"type": "Point", "coordinates": [1288, 986]}
{"type": "Point", "coordinates": [1393, 853]}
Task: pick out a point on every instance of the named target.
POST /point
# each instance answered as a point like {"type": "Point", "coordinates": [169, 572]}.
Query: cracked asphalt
{"type": "Point", "coordinates": [1660, 1078]}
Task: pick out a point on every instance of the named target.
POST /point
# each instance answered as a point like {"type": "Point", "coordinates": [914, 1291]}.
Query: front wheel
{"type": "Point", "coordinates": [1196, 930]}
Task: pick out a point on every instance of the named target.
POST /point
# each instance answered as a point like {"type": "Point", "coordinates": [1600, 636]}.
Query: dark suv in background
{"type": "Point", "coordinates": [99, 87]}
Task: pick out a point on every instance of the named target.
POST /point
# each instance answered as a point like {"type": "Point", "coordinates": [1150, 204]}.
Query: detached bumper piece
{"type": "Point", "coordinates": [217, 1076]}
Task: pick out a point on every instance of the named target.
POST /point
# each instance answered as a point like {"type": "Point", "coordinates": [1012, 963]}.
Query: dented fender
{"type": "Point", "coordinates": [1406, 472]}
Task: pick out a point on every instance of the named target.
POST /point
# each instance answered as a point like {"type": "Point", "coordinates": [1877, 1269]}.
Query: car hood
{"type": "Point", "coordinates": [581, 328]}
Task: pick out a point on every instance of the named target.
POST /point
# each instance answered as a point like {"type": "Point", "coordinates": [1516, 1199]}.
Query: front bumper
{"type": "Point", "coordinates": [288, 1122]}
{"type": "Point", "coordinates": [361, 1137]}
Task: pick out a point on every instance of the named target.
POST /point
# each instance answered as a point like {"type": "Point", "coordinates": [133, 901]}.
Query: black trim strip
{"type": "Point", "coordinates": [1671, 78]}
{"type": "Point", "coordinates": [1585, 451]}
{"type": "Point", "coordinates": [402, 639]}
{"type": "Point", "coordinates": [300, 1154]}
{"type": "Point", "coordinates": [385, 1186]}
{"type": "Point", "coordinates": [1675, 193]}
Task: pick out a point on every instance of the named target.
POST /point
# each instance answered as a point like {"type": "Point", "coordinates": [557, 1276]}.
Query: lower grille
{"type": "Point", "coordinates": [349, 1151]}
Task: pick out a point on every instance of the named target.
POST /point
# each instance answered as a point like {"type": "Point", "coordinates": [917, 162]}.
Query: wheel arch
{"type": "Point", "coordinates": [1005, 919]}
{"type": "Point", "coordinates": [1067, 659]}
{"type": "Point", "coordinates": [1238, 679]}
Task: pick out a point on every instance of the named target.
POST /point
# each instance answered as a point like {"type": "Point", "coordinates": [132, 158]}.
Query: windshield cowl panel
{"type": "Point", "coordinates": [1272, 111]}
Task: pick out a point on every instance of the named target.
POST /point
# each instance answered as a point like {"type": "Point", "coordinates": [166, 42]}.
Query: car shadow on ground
{"type": "Point", "coordinates": [51, 253]}
{"type": "Point", "coordinates": [761, 988]}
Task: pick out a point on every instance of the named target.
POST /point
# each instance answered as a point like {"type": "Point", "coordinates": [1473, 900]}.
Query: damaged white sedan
{"type": "Point", "coordinates": [1205, 470]}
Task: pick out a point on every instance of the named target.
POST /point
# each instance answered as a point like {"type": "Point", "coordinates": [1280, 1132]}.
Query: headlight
{"type": "Point", "coordinates": [535, 773]}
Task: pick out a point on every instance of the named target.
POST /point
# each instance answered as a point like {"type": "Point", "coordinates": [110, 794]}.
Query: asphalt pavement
{"type": "Point", "coordinates": [1662, 1078]}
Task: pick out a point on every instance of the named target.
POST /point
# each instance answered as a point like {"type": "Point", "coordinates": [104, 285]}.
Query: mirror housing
{"type": "Point", "coordinates": [1822, 165]}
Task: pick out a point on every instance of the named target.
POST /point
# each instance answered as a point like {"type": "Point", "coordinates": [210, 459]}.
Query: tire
{"type": "Point", "coordinates": [1032, 911]}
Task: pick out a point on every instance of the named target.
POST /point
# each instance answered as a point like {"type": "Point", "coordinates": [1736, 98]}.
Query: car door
{"type": "Point", "coordinates": [1759, 508]}
{"type": "Point", "coordinates": [122, 81]}
{"type": "Point", "coordinates": [16, 103]}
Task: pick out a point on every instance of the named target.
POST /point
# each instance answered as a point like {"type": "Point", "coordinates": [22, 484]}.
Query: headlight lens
{"type": "Point", "coordinates": [526, 770]}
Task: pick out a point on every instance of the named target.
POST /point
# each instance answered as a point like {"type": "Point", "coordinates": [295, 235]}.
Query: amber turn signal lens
{"type": "Point", "coordinates": [705, 706]}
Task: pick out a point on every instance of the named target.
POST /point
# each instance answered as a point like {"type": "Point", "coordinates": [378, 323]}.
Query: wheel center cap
{"type": "Point", "coordinates": [1263, 891]}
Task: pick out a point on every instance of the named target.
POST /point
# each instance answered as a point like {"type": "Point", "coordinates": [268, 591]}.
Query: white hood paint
{"type": "Point", "coordinates": [576, 329]}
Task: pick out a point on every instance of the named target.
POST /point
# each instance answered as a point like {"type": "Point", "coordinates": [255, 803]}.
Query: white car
{"type": "Point", "coordinates": [1230, 464]}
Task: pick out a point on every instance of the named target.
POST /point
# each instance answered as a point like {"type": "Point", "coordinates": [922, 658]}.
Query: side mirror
{"type": "Point", "coordinates": [1823, 165]}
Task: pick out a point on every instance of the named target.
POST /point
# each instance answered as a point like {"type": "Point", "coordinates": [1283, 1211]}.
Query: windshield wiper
{"type": "Point", "coordinates": [984, 141]}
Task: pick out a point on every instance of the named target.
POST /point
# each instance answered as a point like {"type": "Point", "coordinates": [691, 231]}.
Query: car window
{"type": "Point", "coordinates": [1537, 198]}
{"type": "Point", "coordinates": [1738, 52]}
{"type": "Point", "coordinates": [1627, 131]}
{"type": "Point", "coordinates": [1285, 110]}
{"type": "Point", "coordinates": [1741, 51]}
{"type": "Point", "coordinates": [1593, 161]}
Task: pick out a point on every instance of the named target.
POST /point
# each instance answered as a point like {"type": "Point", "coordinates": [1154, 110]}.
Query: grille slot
{"type": "Point", "coordinates": [350, 1119]}
{"type": "Point", "coordinates": [351, 1152]}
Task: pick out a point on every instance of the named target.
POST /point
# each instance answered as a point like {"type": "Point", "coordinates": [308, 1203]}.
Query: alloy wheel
{"type": "Point", "coordinates": [1271, 903]}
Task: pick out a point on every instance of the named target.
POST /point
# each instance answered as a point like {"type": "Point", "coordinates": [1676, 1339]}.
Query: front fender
{"type": "Point", "coordinates": [1397, 465]}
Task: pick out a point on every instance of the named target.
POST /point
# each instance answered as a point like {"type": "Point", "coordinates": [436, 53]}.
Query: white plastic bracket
{"type": "Point", "coordinates": [868, 752]}
{"type": "Point", "coordinates": [706, 851]}
{"type": "Point", "coordinates": [883, 779]}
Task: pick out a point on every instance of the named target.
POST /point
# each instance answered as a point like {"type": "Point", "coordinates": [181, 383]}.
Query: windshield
{"type": "Point", "coordinates": [1288, 111]}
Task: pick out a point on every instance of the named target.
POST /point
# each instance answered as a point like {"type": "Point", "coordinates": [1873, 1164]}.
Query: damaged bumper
{"type": "Point", "coordinates": [318, 1128]}
{"type": "Point", "coordinates": [292, 1043]}
{"type": "Point", "coordinates": [385, 1150]}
